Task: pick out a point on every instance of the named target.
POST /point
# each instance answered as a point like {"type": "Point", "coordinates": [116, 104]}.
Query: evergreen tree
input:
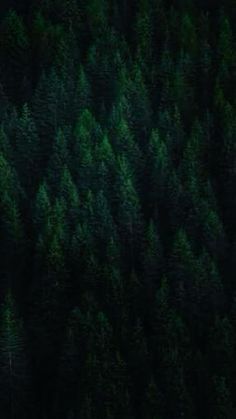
{"type": "Point", "coordinates": [153, 262]}
{"type": "Point", "coordinates": [130, 223]}
{"type": "Point", "coordinates": [183, 268]}
{"type": "Point", "coordinates": [158, 166]}
{"type": "Point", "coordinates": [12, 232]}
{"type": "Point", "coordinates": [14, 52]}
{"type": "Point", "coordinates": [117, 209]}
{"type": "Point", "coordinates": [14, 368]}
{"type": "Point", "coordinates": [27, 152]}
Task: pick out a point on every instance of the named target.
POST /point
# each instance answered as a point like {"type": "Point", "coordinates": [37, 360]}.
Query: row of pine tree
{"type": "Point", "coordinates": [117, 209]}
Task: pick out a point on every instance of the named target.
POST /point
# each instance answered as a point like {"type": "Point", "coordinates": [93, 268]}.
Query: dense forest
{"type": "Point", "coordinates": [117, 209]}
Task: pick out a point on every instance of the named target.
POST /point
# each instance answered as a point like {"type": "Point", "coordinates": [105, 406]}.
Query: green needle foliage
{"type": "Point", "coordinates": [117, 209]}
{"type": "Point", "coordinates": [14, 371]}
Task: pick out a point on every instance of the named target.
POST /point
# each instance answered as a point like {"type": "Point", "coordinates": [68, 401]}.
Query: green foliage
{"type": "Point", "coordinates": [97, 15]}
{"type": "Point", "coordinates": [14, 369]}
{"type": "Point", "coordinates": [144, 32]}
{"type": "Point", "coordinates": [117, 209]}
{"type": "Point", "coordinates": [14, 52]}
{"type": "Point", "coordinates": [12, 235]}
{"type": "Point", "coordinates": [27, 152]}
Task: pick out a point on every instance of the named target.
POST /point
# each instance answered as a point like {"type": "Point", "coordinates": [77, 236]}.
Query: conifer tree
{"type": "Point", "coordinates": [14, 368]}
{"type": "Point", "coordinates": [27, 152]}
{"type": "Point", "coordinates": [14, 52]}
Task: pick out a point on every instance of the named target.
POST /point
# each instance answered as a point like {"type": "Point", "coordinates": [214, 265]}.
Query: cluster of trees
{"type": "Point", "coordinates": [117, 209]}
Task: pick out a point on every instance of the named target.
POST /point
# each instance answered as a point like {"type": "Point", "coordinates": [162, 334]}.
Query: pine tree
{"type": "Point", "coordinates": [42, 208]}
{"type": "Point", "coordinates": [14, 368]}
{"type": "Point", "coordinates": [183, 268]}
{"type": "Point", "coordinates": [48, 110]}
{"type": "Point", "coordinates": [139, 102]}
{"type": "Point", "coordinates": [171, 358]}
{"type": "Point", "coordinates": [83, 91]}
{"type": "Point", "coordinates": [86, 135]}
{"type": "Point", "coordinates": [158, 167]}
{"type": "Point", "coordinates": [188, 35]}
{"type": "Point", "coordinates": [144, 33]}
{"type": "Point", "coordinates": [5, 147]}
{"type": "Point", "coordinates": [12, 232]}
{"type": "Point", "coordinates": [69, 193]}
{"type": "Point", "coordinates": [14, 52]}
{"type": "Point", "coordinates": [152, 262]}
{"type": "Point", "coordinates": [27, 153]}
{"type": "Point", "coordinates": [129, 216]}
{"type": "Point", "coordinates": [58, 160]}
{"type": "Point", "coordinates": [97, 12]}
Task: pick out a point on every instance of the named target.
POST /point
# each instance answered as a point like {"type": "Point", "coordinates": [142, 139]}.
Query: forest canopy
{"type": "Point", "coordinates": [117, 209]}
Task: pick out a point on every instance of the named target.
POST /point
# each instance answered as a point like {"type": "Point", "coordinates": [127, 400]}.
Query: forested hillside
{"type": "Point", "coordinates": [117, 209]}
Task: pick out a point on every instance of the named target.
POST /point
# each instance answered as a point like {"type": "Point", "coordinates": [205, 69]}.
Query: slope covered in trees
{"type": "Point", "coordinates": [117, 209]}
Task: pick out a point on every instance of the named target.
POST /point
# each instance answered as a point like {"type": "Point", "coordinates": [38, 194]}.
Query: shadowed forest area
{"type": "Point", "coordinates": [117, 209]}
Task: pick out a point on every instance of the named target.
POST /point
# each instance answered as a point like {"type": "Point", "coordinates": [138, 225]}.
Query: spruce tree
{"type": "Point", "coordinates": [14, 365]}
